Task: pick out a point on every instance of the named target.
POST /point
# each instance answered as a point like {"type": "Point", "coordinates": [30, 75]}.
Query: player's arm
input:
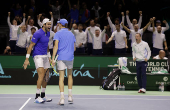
{"type": "Point", "coordinates": [128, 30]}
{"type": "Point", "coordinates": [26, 63]}
{"type": "Point", "coordinates": [147, 25]}
{"type": "Point", "coordinates": [55, 49]}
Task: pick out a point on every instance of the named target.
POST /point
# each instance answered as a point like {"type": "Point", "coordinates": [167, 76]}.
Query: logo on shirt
{"type": "Point", "coordinates": [33, 38]}
{"type": "Point", "coordinates": [2, 72]}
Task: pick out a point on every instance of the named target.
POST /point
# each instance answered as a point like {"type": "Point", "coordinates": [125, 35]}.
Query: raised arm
{"type": "Point", "coordinates": [71, 23]}
{"type": "Point", "coordinates": [128, 20]}
{"type": "Point", "coordinates": [165, 28]}
{"type": "Point", "coordinates": [27, 20]}
{"type": "Point", "coordinates": [127, 29]}
{"type": "Point", "coordinates": [51, 19]}
{"type": "Point", "coordinates": [123, 19]}
{"type": "Point", "coordinates": [150, 28]}
{"type": "Point", "coordinates": [72, 29]}
{"type": "Point", "coordinates": [153, 25]}
{"type": "Point", "coordinates": [147, 24]}
{"type": "Point", "coordinates": [23, 22]}
{"type": "Point", "coordinates": [8, 20]}
{"type": "Point", "coordinates": [39, 22]}
{"type": "Point", "coordinates": [105, 27]}
{"type": "Point", "coordinates": [112, 26]}
{"type": "Point", "coordinates": [69, 5]}
{"type": "Point", "coordinates": [18, 32]}
{"type": "Point", "coordinates": [110, 39]}
{"type": "Point", "coordinates": [140, 19]}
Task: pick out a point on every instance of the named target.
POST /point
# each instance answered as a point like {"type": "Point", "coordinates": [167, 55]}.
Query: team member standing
{"type": "Point", "coordinates": [42, 59]}
{"type": "Point", "coordinates": [80, 38]}
{"type": "Point", "coordinates": [120, 40]}
{"type": "Point", "coordinates": [141, 54]}
{"type": "Point", "coordinates": [64, 46]}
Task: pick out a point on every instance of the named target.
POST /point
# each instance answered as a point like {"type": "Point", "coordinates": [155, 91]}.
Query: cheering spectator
{"type": "Point", "coordinates": [13, 31]}
{"type": "Point", "coordinates": [96, 11]}
{"type": "Point", "coordinates": [97, 40]}
{"type": "Point", "coordinates": [7, 51]}
{"type": "Point", "coordinates": [158, 23]}
{"type": "Point", "coordinates": [56, 28]}
{"type": "Point", "coordinates": [161, 55]}
{"type": "Point", "coordinates": [120, 40]}
{"type": "Point", "coordinates": [40, 22]}
{"type": "Point", "coordinates": [74, 12]}
{"type": "Point", "coordinates": [89, 38]}
{"type": "Point", "coordinates": [84, 15]}
{"type": "Point", "coordinates": [136, 30]}
{"type": "Point", "coordinates": [158, 39]}
{"type": "Point", "coordinates": [30, 25]}
{"type": "Point", "coordinates": [80, 38]}
{"type": "Point", "coordinates": [29, 38]}
{"type": "Point", "coordinates": [21, 43]}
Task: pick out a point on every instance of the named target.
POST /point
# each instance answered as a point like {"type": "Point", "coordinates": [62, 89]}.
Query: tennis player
{"type": "Point", "coordinates": [64, 46]}
{"type": "Point", "coordinates": [141, 54]}
{"type": "Point", "coordinates": [42, 58]}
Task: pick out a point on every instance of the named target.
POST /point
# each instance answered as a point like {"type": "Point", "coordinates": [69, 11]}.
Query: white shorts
{"type": "Point", "coordinates": [41, 61]}
{"type": "Point", "coordinates": [63, 64]}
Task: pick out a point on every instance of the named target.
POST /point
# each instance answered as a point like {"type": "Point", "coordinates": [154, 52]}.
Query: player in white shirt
{"type": "Point", "coordinates": [136, 30]}
{"type": "Point", "coordinates": [97, 40]}
{"type": "Point", "coordinates": [29, 38]}
{"type": "Point", "coordinates": [120, 40]}
{"type": "Point", "coordinates": [81, 38]}
{"type": "Point", "coordinates": [141, 54]}
{"type": "Point", "coordinates": [161, 55]}
{"type": "Point", "coordinates": [40, 23]}
{"type": "Point", "coordinates": [30, 25]}
{"type": "Point", "coordinates": [21, 43]}
{"type": "Point", "coordinates": [158, 23]}
{"type": "Point", "coordinates": [13, 31]}
{"type": "Point", "coordinates": [89, 38]}
{"type": "Point", "coordinates": [158, 39]}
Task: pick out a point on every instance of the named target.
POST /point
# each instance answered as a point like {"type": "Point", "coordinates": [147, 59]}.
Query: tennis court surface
{"type": "Point", "coordinates": [85, 98]}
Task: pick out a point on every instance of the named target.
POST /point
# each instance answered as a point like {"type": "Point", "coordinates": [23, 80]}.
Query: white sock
{"type": "Point", "coordinates": [38, 91]}
{"type": "Point", "coordinates": [70, 92]}
{"type": "Point", "coordinates": [43, 90]}
{"type": "Point", "coordinates": [62, 94]}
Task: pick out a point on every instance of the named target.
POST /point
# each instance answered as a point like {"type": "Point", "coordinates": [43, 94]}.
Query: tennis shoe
{"type": "Point", "coordinates": [39, 100]}
{"type": "Point", "coordinates": [46, 99]}
{"type": "Point", "coordinates": [125, 70]}
{"type": "Point", "coordinates": [70, 99]}
{"type": "Point", "coordinates": [61, 102]}
{"type": "Point", "coordinates": [139, 91]}
{"type": "Point", "coordinates": [143, 90]}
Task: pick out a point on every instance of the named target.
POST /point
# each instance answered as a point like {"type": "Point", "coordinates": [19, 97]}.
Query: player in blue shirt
{"type": "Point", "coordinates": [42, 58]}
{"type": "Point", "coordinates": [64, 47]}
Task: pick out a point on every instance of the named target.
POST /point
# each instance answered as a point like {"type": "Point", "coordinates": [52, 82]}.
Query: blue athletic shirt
{"type": "Point", "coordinates": [41, 39]}
{"type": "Point", "coordinates": [66, 44]}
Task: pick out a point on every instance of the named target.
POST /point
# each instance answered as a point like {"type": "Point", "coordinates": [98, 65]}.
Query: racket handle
{"type": "Point", "coordinates": [56, 58]}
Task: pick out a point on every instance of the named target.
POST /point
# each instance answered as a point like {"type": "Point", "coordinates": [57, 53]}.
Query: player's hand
{"type": "Point", "coordinates": [166, 48]}
{"type": "Point", "coordinates": [26, 63]}
{"type": "Point", "coordinates": [164, 21]}
{"type": "Point", "coordinates": [127, 12]}
{"type": "Point", "coordinates": [50, 60]}
{"type": "Point", "coordinates": [108, 13]}
{"type": "Point", "coordinates": [126, 46]}
{"type": "Point", "coordinates": [146, 59]}
{"type": "Point", "coordinates": [122, 13]}
{"type": "Point", "coordinates": [140, 12]}
{"type": "Point", "coordinates": [9, 13]}
{"type": "Point", "coordinates": [134, 59]}
{"type": "Point", "coordinates": [53, 63]}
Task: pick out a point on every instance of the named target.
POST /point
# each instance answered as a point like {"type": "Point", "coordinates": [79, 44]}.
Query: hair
{"type": "Point", "coordinates": [33, 28]}
{"type": "Point", "coordinates": [80, 25]}
{"type": "Point", "coordinates": [66, 25]}
{"type": "Point", "coordinates": [116, 19]}
{"type": "Point", "coordinates": [139, 34]}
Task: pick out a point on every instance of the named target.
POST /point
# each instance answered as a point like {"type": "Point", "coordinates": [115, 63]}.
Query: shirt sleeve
{"type": "Point", "coordinates": [164, 37]}
{"type": "Point", "coordinates": [56, 37]}
{"type": "Point", "coordinates": [35, 37]}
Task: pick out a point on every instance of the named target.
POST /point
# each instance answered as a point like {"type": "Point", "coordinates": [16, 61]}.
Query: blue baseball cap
{"type": "Point", "coordinates": [63, 21]}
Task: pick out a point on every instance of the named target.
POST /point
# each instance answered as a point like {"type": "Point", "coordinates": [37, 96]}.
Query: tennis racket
{"type": "Point", "coordinates": [50, 70]}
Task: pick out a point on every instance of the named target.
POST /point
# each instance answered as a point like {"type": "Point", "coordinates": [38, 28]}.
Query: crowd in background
{"type": "Point", "coordinates": [92, 22]}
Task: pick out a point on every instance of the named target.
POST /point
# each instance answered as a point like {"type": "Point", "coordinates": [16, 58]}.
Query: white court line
{"type": "Point", "coordinates": [25, 104]}
{"type": "Point", "coordinates": [94, 99]}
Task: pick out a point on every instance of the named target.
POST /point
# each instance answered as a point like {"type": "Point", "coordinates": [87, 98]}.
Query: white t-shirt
{"type": "Point", "coordinates": [119, 39]}
{"type": "Point", "coordinates": [157, 57]}
{"type": "Point", "coordinates": [50, 43]}
{"type": "Point", "coordinates": [80, 37]}
{"type": "Point", "coordinates": [133, 33]}
{"type": "Point", "coordinates": [22, 39]}
{"type": "Point", "coordinates": [56, 12]}
{"type": "Point", "coordinates": [92, 29]}
{"type": "Point", "coordinates": [29, 40]}
{"type": "Point", "coordinates": [158, 39]}
{"type": "Point", "coordinates": [29, 28]}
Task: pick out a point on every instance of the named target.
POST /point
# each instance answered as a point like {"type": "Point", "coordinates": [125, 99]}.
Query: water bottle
{"type": "Point", "coordinates": [114, 85]}
{"type": "Point", "coordinates": [162, 87]}
{"type": "Point", "coordinates": [123, 87]}
{"type": "Point", "coordinates": [118, 87]}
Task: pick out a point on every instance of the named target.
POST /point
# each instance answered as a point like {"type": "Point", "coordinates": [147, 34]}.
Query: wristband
{"type": "Point", "coordinates": [27, 55]}
{"type": "Point", "coordinates": [49, 55]}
